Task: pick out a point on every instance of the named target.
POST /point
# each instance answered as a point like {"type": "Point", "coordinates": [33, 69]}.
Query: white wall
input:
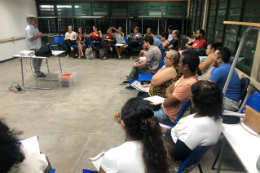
{"type": "Point", "coordinates": [13, 22]}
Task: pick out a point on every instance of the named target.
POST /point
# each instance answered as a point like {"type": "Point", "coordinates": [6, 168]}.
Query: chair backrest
{"type": "Point", "coordinates": [58, 40]}
{"type": "Point", "coordinates": [244, 85]}
{"type": "Point", "coordinates": [194, 157]}
{"type": "Point", "coordinates": [87, 40]}
{"type": "Point", "coordinates": [159, 38]}
{"type": "Point", "coordinates": [182, 111]}
{"type": "Point", "coordinates": [126, 40]}
{"type": "Point", "coordinates": [161, 64]}
{"type": "Point", "coordinates": [88, 171]}
{"type": "Point", "coordinates": [254, 101]}
{"type": "Point", "coordinates": [52, 171]}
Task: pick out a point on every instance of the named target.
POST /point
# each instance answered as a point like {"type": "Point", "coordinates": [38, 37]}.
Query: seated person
{"type": "Point", "coordinates": [165, 76]}
{"type": "Point", "coordinates": [174, 42]}
{"type": "Point", "coordinates": [207, 65]}
{"type": "Point", "coordinates": [81, 41]}
{"type": "Point", "coordinates": [69, 40]}
{"type": "Point", "coordinates": [95, 37]}
{"type": "Point", "coordinates": [200, 40]}
{"type": "Point", "coordinates": [119, 35]}
{"type": "Point", "coordinates": [219, 75]}
{"type": "Point", "coordinates": [144, 149]}
{"type": "Point", "coordinates": [190, 43]}
{"type": "Point", "coordinates": [180, 90]}
{"type": "Point", "coordinates": [149, 32]}
{"type": "Point", "coordinates": [170, 29]}
{"type": "Point", "coordinates": [108, 43]}
{"type": "Point", "coordinates": [15, 160]}
{"type": "Point", "coordinates": [165, 42]}
{"type": "Point", "coordinates": [200, 129]}
{"type": "Point", "coordinates": [134, 41]}
{"type": "Point", "coordinates": [148, 66]}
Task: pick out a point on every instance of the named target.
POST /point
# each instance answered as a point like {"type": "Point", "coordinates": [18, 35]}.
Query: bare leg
{"type": "Point", "coordinates": [90, 49]}
{"type": "Point", "coordinates": [80, 50]}
{"type": "Point", "coordinates": [94, 53]}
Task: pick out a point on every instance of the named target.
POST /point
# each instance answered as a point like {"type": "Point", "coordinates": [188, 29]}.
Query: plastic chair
{"type": "Point", "coordinates": [89, 171]}
{"type": "Point", "coordinates": [182, 111]}
{"type": "Point", "coordinates": [159, 38]}
{"type": "Point", "coordinates": [57, 42]}
{"type": "Point", "coordinates": [253, 101]}
{"type": "Point", "coordinates": [244, 85]}
{"type": "Point", "coordinates": [194, 158]}
{"type": "Point", "coordinates": [87, 42]}
{"type": "Point", "coordinates": [52, 171]}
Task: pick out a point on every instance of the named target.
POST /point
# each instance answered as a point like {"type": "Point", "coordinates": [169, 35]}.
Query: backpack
{"type": "Point", "coordinates": [44, 51]}
{"type": "Point", "coordinates": [101, 53]}
{"type": "Point", "coordinates": [91, 55]}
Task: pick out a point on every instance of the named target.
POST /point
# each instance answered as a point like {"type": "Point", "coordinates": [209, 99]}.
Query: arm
{"type": "Point", "coordinates": [138, 36]}
{"type": "Point", "coordinates": [163, 76]}
{"type": "Point", "coordinates": [75, 38]}
{"type": "Point", "coordinates": [100, 34]}
{"type": "Point", "coordinates": [101, 170]}
{"type": "Point", "coordinates": [204, 66]}
{"type": "Point", "coordinates": [140, 65]}
{"type": "Point", "coordinates": [30, 36]}
{"type": "Point", "coordinates": [165, 44]}
{"type": "Point", "coordinates": [37, 36]}
{"type": "Point", "coordinates": [170, 100]}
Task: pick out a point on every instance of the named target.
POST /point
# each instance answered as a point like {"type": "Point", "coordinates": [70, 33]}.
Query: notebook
{"type": "Point", "coordinates": [97, 160]}
{"type": "Point", "coordinates": [142, 58]}
{"type": "Point", "coordinates": [156, 100]}
{"type": "Point", "coordinates": [31, 144]}
{"type": "Point", "coordinates": [137, 85]}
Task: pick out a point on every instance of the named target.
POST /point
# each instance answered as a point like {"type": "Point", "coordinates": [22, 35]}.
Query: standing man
{"type": "Point", "coordinates": [33, 41]}
{"type": "Point", "coordinates": [200, 40]}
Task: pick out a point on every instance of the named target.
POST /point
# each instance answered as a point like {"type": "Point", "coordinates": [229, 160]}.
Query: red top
{"type": "Point", "coordinates": [81, 37]}
{"type": "Point", "coordinates": [95, 36]}
{"type": "Point", "coordinates": [200, 44]}
{"type": "Point", "coordinates": [109, 36]}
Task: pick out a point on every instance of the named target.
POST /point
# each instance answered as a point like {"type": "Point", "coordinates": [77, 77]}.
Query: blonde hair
{"type": "Point", "coordinates": [176, 32]}
{"type": "Point", "coordinates": [137, 28]}
{"type": "Point", "coordinates": [29, 18]}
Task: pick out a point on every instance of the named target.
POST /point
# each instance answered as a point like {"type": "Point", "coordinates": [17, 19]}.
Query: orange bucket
{"type": "Point", "coordinates": [65, 77]}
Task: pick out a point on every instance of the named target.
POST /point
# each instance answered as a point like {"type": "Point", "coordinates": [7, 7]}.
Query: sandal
{"type": "Point", "coordinates": [117, 115]}
{"type": "Point", "coordinates": [79, 57]}
{"type": "Point", "coordinates": [119, 57]}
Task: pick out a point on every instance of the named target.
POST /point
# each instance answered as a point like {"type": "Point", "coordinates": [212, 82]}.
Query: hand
{"type": "Point", "coordinates": [134, 65]}
{"type": "Point", "coordinates": [146, 85]}
{"type": "Point", "coordinates": [40, 34]}
{"type": "Point", "coordinates": [99, 31]}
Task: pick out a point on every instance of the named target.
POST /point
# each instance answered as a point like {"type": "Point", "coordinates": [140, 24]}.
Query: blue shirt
{"type": "Point", "coordinates": [158, 43]}
{"type": "Point", "coordinates": [219, 76]}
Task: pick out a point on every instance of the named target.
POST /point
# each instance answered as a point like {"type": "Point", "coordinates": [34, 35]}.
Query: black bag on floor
{"type": "Point", "coordinates": [101, 53]}
{"type": "Point", "coordinates": [44, 51]}
{"type": "Point", "coordinates": [74, 53]}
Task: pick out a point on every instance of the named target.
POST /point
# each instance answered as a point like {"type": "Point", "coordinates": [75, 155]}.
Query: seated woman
{"type": "Point", "coordinates": [200, 129]}
{"type": "Point", "coordinates": [149, 32]}
{"type": "Point", "coordinates": [134, 41]}
{"type": "Point", "coordinates": [190, 43]}
{"type": "Point", "coordinates": [165, 42]}
{"type": "Point", "coordinates": [207, 65]}
{"type": "Point", "coordinates": [69, 40]}
{"type": "Point", "coordinates": [108, 43]}
{"type": "Point", "coordinates": [165, 76]}
{"type": "Point", "coordinates": [175, 40]}
{"type": "Point", "coordinates": [119, 40]}
{"type": "Point", "coordinates": [95, 41]}
{"type": "Point", "coordinates": [144, 149]}
{"type": "Point", "coordinates": [81, 40]}
{"type": "Point", "coordinates": [15, 160]}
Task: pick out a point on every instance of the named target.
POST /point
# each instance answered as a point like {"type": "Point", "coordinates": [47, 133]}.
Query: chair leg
{"type": "Point", "coordinates": [216, 159]}
{"type": "Point", "coordinates": [200, 168]}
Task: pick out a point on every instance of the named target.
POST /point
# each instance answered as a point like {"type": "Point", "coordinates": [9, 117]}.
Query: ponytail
{"type": "Point", "coordinates": [155, 154]}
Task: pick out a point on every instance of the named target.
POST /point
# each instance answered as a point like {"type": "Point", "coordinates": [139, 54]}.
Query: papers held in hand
{"type": "Point", "coordinates": [137, 85]}
{"type": "Point", "coordinates": [31, 144]}
{"type": "Point", "coordinates": [142, 58]}
{"type": "Point", "coordinates": [156, 100]}
{"type": "Point", "coordinates": [119, 44]}
{"type": "Point", "coordinates": [97, 160]}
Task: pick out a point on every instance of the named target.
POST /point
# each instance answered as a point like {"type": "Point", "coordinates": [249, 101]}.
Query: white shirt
{"type": "Point", "coordinates": [194, 132]}
{"type": "Point", "coordinates": [71, 36]}
{"type": "Point", "coordinates": [127, 158]}
{"type": "Point", "coordinates": [170, 37]}
{"type": "Point", "coordinates": [30, 32]}
{"type": "Point", "coordinates": [33, 163]}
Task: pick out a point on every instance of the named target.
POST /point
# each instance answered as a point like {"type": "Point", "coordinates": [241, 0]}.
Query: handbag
{"type": "Point", "coordinates": [44, 51]}
{"type": "Point", "coordinates": [90, 55]}
{"type": "Point", "coordinates": [252, 120]}
{"type": "Point", "coordinates": [228, 119]}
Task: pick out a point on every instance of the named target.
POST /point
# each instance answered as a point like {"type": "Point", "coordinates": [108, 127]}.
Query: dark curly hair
{"type": "Point", "coordinates": [207, 99]}
{"type": "Point", "coordinates": [141, 124]}
{"type": "Point", "coordinates": [10, 148]}
{"type": "Point", "coordinates": [192, 59]}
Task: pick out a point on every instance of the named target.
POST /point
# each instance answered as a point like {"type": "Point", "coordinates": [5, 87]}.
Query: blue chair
{"type": "Point", "coordinates": [244, 85]}
{"type": "Point", "coordinates": [148, 77]}
{"type": "Point", "coordinates": [253, 101]}
{"type": "Point", "coordinates": [89, 171]}
{"type": "Point", "coordinates": [159, 38]}
{"type": "Point", "coordinates": [87, 42]}
{"type": "Point", "coordinates": [182, 111]}
{"type": "Point", "coordinates": [58, 41]}
{"type": "Point", "coordinates": [52, 171]}
{"type": "Point", "coordinates": [194, 158]}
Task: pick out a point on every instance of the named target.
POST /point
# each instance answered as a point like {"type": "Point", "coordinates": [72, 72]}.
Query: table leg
{"type": "Point", "coordinates": [60, 65]}
{"type": "Point", "coordinates": [49, 72]}
{"type": "Point", "coordinates": [21, 60]}
{"type": "Point", "coordinates": [221, 153]}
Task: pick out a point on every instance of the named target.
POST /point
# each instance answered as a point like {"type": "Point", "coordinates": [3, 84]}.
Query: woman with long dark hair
{"type": "Point", "coordinates": [144, 150]}
{"type": "Point", "coordinates": [81, 40]}
{"type": "Point", "coordinates": [15, 160]}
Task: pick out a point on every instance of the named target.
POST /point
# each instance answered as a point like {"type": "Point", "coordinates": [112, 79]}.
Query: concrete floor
{"type": "Point", "coordinates": [76, 123]}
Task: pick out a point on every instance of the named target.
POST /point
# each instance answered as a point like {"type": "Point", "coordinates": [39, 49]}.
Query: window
{"type": "Point", "coordinates": [100, 9]}
{"type": "Point", "coordinates": [65, 12]}
{"type": "Point", "coordinates": [47, 25]}
{"type": "Point", "coordinates": [119, 10]}
{"type": "Point", "coordinates": [221, 15]}
{"type": "Point", "coordinates": [137, 10]}
{"type": "Point", "coordinates": [157, 10]}
{"type": "Point", "coordinates": [151, 23]}
{"type": "Point", "coordinates": [211, 20]}
{"type": "Point", "coordinates": [82, 10]}
{"type": "Point", "coordinates": [177, 10]}
{"type": "Point", "coordinates": [202, 13]}
{"type": "Point", "coordinates": [190, 29]}
{"type": "Point", "coordinates": [198, 15]}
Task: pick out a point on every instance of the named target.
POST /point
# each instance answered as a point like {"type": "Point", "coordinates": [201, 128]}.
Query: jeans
{"type": "Point", "coordinates": [135, 72]}
{"type": "Point", "coordinates": [230, 105]}
{"type": "Point", "coordinates": [132, 45]}
{"type": "Point", "coordinates": [162, 116]}
{"type": "Point", "coordinates": [37, 63]}
{"type": "Point", "coordinates": [69, 43]}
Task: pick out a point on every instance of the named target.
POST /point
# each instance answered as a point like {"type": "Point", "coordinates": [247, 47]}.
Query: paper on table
{"type": "Point", "coordinates": [31, 144]}
{"type": "Point", "coordinates": [97, 160]}
{"type": "Point", "coordinates": [142, 58]}
{"type": "Point", "coordinates": [155, 99]}
{"type": "Point", "coordinates": [119, 44]}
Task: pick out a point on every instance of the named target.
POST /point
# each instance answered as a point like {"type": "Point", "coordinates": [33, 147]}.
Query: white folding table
{"type": "Point", "coordinates": [245, 145]}
{"type": "Point", "coordinates": [55, 54]}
